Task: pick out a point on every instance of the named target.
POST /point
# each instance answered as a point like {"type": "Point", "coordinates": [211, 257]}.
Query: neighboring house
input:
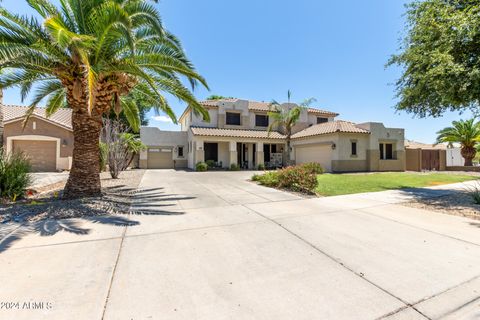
{"type": "Point", "coordinates": [47, 141]}
{"type": "Point", "coordinates": [237, 134]}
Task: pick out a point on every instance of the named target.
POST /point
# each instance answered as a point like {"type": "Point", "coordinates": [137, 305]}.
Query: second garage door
{"type": "Point", "coordinates": [160, 158]}
{"type": "Point", "coordinates": [42, 154]}
{"type": "Point", "coordinates": [321, 154]}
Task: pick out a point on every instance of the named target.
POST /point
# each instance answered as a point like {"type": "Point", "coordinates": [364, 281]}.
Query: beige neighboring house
{"type": "Point", "coordinates": [237, 134]}
{"type": "Point", "coordinates": [47, 141]}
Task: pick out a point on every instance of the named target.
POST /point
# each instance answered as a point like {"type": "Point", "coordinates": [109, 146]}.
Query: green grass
{"type": "Point", "coordinates": [337, 184]}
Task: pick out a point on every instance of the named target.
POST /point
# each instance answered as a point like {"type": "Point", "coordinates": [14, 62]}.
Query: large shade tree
{"type": "Point", "coordinates": [440, 57]}
{"type": "Point", "coordinates": [90, 56]}
{"type": "Point", "coordinates": [465, 132]}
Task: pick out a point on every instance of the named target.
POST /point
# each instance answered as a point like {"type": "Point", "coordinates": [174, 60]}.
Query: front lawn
{"type": "Point", "coordinates": [337, 184]}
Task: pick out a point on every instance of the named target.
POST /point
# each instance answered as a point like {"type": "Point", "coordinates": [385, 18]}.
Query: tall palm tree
{"type": "Point", "coordinates": [90, 55]}
{"type": "Point", "coordinates": [465, 132]}
{"type": "Point", "coordinates": [286, 119]}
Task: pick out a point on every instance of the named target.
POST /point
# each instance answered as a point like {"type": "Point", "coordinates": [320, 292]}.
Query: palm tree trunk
{"type": "Point", "coordinates": [289, 162]}
{"type": "Point", "coordinates": [84, 179]}
{"type": "Point", "coordinates": [468, 153]}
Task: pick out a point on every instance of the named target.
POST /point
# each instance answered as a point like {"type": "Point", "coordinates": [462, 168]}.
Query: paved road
{"type": "Point", "coordinates": [215, 246]}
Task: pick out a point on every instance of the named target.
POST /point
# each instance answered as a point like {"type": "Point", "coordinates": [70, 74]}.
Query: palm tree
{"type": "Point", "coordinates": [90, 55]}
{"type": "Point", "coordinates": [465, 132]}
{"type": "Point", "coordinates": [134, 145]}
{"type": "Point", "coordinates": [286, 119]}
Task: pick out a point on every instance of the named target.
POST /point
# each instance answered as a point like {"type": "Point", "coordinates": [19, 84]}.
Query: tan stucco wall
{"type": "Point", "coordinates": [223, 153]}
{"type": "Point", "coordinates": [413, 160]}
{"type": "Point", "coordinates": [197, 120]}
{"type": "Point", "coordinates": [393, 165]}
{"type": "Point", "coordinates": [349, 165]}
{"type": "Point", "coordinates": [180, 164]}
{"type": "Point", "coordinates": [344, 147]}
{"type": "Point", "coordinates": [42, 128]}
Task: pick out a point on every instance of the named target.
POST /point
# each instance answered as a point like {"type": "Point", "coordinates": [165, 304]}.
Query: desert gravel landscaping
{"type": "Point", "coordinates": [458, 204]}
{"type": "Point", "coordinates": [116, 199]}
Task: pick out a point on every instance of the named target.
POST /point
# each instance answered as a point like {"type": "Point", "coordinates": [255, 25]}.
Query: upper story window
{"type": "Point", "coordinates": [321, 120]}
{"type": "Point", "coordinates": [180, 151]}
{"type": "Point", "coordinates": [386, 151]}
{"type": "Point", "coordinates": [233, 118]}
{"type": "Point", "coordinates": [261, 120]}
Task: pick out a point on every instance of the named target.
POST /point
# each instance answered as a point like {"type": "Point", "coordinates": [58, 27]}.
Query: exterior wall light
{"type": "Point", "coordinates": [334, 146]}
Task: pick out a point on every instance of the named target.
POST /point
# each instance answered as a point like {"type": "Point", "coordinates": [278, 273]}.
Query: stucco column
{"type": "Point", "coordinates": [259, 154]}
{"type": "Point", "coordinates": [199, 152]}
{"type": "Point", "coordinates": [233, 153]}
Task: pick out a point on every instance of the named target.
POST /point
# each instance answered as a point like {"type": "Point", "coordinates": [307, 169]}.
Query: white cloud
{"type": "Point", "coordinates": [162, 119]}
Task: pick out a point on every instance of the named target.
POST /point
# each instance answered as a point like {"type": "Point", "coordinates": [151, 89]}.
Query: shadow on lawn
{"type": "Point", "coordinates": [420, 194]}
{"type": "Point", "coordinates": [122, 201]}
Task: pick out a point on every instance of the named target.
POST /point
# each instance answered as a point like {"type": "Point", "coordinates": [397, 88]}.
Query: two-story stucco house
{"type": "Point", "coordinates": [237, 134]}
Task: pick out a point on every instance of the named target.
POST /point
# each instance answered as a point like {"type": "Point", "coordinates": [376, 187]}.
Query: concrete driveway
{"type": "Point", "coordinates": [215, 246]}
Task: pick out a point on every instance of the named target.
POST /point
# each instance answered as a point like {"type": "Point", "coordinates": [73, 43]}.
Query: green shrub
{"type": "Point", "coordinates": [201, 166]}
{"type": "Point", "coordinates": [261, 166]}
{"type": "Point", "coordinates": [14, 175]}
{"type": "Point", "coordinates": [475, 193]}
{"type": "Point", "coordinates": [313, 167]}
{"type": "Point", "coordinates": [296, 178]}
{"type": "Point", "coordinates": [234, 167]}
{"type": "Point", "coordinates": [210, 164]}
{"type": "Point", "coordinates": [268, 179]}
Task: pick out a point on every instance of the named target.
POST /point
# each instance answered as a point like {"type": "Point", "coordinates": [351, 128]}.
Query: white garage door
{"type": "Point", "coordinates": [321, 154]}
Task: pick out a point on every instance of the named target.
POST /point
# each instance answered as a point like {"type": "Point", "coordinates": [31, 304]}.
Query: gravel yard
{"type": "Point", "coordinates": [117, 198]}
{"type": "Point", "coordinates": [458, 204]}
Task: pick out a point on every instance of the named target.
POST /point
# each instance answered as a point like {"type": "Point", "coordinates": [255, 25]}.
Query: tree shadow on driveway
{"type": "Point", "coordinates": [44, 219]}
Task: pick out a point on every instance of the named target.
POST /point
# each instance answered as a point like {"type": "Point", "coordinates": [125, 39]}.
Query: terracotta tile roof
{"type": "Point", "coordinates": [236, 133]}
{"type": "Point", "coordinates": [329, 127]}
{"type": "Point", "coordinates": [262, 106]}
{"type": "Point", "coordinates": [62, 117]}
{"type": "Point", "coordinates": [410, 144]}
{"type": "Point", "coordinates": [322, 112]}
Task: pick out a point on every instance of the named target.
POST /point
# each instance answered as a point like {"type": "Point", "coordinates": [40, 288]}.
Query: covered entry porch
{"type": "Point", "coordinates": [248, 149]}
{"type": "Point", "coordinates": [247, 155]}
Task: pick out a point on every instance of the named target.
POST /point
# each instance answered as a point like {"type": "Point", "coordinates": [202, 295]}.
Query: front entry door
{"type": "Point", "coordinates": [211, 151]}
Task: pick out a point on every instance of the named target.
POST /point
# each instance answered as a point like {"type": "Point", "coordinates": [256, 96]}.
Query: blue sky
{"type": "Point", "coordinates": [334, 51]}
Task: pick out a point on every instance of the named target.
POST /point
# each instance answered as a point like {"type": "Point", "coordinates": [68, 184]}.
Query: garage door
{"type": "Point", "coordinates": [42, 154]}
{"type": "Point", "coordinates": [160, 158]}
{"type": "Point", "coordinates": [321, 154]}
